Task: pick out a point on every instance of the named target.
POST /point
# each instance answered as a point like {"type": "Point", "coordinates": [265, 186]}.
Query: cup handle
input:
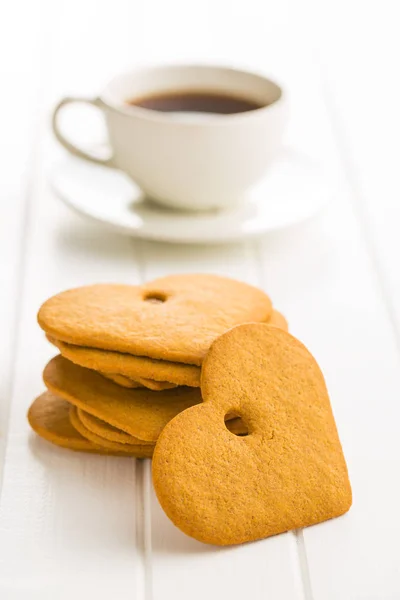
{"type": "Point", "coordinates": [108, 162]}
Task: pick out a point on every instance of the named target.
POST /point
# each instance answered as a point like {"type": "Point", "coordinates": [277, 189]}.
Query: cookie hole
{"type": "Point", "coordinates": [155, 297]}
{"type": "Point", "coordinates": [236, 425]}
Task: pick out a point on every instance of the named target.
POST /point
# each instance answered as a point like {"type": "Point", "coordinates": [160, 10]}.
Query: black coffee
{"type": "Point", "coordinates": [201, 102]}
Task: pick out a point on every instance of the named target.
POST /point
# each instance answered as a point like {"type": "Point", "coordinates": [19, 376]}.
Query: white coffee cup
{"type": "Point", "coordinates": [191, 161]}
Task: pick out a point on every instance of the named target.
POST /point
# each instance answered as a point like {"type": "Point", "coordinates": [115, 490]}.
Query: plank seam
{"type": "Point", "coordinates": [298, 534]}
{"type": "Point", "coordinates": [143, 529]}
{"type": "Point", "coordinates": [147, 483]}
{"type": "Point", "coordinates": [27, 212]}
{"type": "Point", "coordinates": [303, 564]}
{"type": "Point", "coordinates": [143, 486]}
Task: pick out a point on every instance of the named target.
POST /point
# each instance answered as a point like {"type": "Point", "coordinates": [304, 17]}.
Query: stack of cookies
{"type": "Point", "coordinates": [200, 373]}
{"type": "Point", "coordinates": [130, 357]}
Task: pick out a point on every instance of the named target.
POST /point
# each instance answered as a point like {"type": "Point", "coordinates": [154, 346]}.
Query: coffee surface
{"type": "Point", "coordinates": [200, 102]}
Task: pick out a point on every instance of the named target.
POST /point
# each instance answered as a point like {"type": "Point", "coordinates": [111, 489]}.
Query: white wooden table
{"type": "Point", "coordinates": [76, 526]}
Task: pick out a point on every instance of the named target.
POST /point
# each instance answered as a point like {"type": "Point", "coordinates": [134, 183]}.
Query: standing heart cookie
{"type": "Point", "coordinates": [288, 472]}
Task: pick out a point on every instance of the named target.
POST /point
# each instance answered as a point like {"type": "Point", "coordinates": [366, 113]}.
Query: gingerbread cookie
{"type": "Point", "coordinates": [278, 320]}
{"type": "Point", "coordinates": [122, 380]}
{"type": "Point", "coordinates": [130, 366]}
{"type": "Point", "coordinates": [173, 318]}
{"type": "Point", "coordinates": [139, 383]}
{"type": "Point", "coordinates": [138, 450]}
{"type": "Point", "coordinates": [49, 418]}
{"type": "Point", "coordinates": [141, 413]}
{"type": "Point", "coordinates": [127, 370]}
{"type": "Point", "coordinates": [104, 430]}
{"type": "Point", "coordinates": [287, 473]}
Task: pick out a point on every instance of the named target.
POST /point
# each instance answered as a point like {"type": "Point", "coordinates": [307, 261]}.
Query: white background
{"type": "Point", "coordinates": [75, 526]}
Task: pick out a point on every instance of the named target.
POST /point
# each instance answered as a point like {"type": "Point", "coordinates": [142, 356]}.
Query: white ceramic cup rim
{"type": "Point", "coordinates": [118, 102]}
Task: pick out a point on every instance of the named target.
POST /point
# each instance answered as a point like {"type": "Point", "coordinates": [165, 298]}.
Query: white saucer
{"type": "Point", "coordinates": [292, 191]}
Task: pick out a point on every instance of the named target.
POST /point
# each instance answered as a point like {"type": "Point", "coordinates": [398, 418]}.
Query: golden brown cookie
{"type": "Point", "coordinates": [138, 450]}
{"type": "Point", "coordinates": [122, 380]}
{"type": "Point", "coordinates": [49, 418]}
{"type": "Point", "coordinates": [108, 432]}
{"type": "Point", "coordinates": [289, 472]}
{"type": "Point", "coordinates": [139, 412]}
{"type": "Point", "coordinates": [278, 320]}
{"type": "Point", "coordinates": [128, 365]}
{"type": "Point", "coordinates": [126, 368]}
{"type": "Point", "coordinates": [173, 318]}
{"type": "Point", "coordinates": [139, 383]}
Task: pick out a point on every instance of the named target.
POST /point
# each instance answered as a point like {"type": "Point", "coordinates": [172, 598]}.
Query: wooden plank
{"type": "Point", "coordinates": [351, 337]}
{"type": "Point", "coordinates": [344, 259]}
{"type": "Point", "coordinates": [271, 565]}
{"type": "Point", "coordinates": [63, 513]}
{"type": "Point", "coordinates": [18, 124]}
{"type": "Point", "coordinates": [69, 524]}
{"type": "Point", "coordinates": [364, 109]}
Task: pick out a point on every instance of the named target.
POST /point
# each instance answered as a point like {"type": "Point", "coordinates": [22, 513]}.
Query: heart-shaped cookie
{"type": "Point", "coordinates": [288, 472]}
{"type": "Point", "coordinates": [174, 318]}
{"type": "Point", "coordinates": [130, 370]}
